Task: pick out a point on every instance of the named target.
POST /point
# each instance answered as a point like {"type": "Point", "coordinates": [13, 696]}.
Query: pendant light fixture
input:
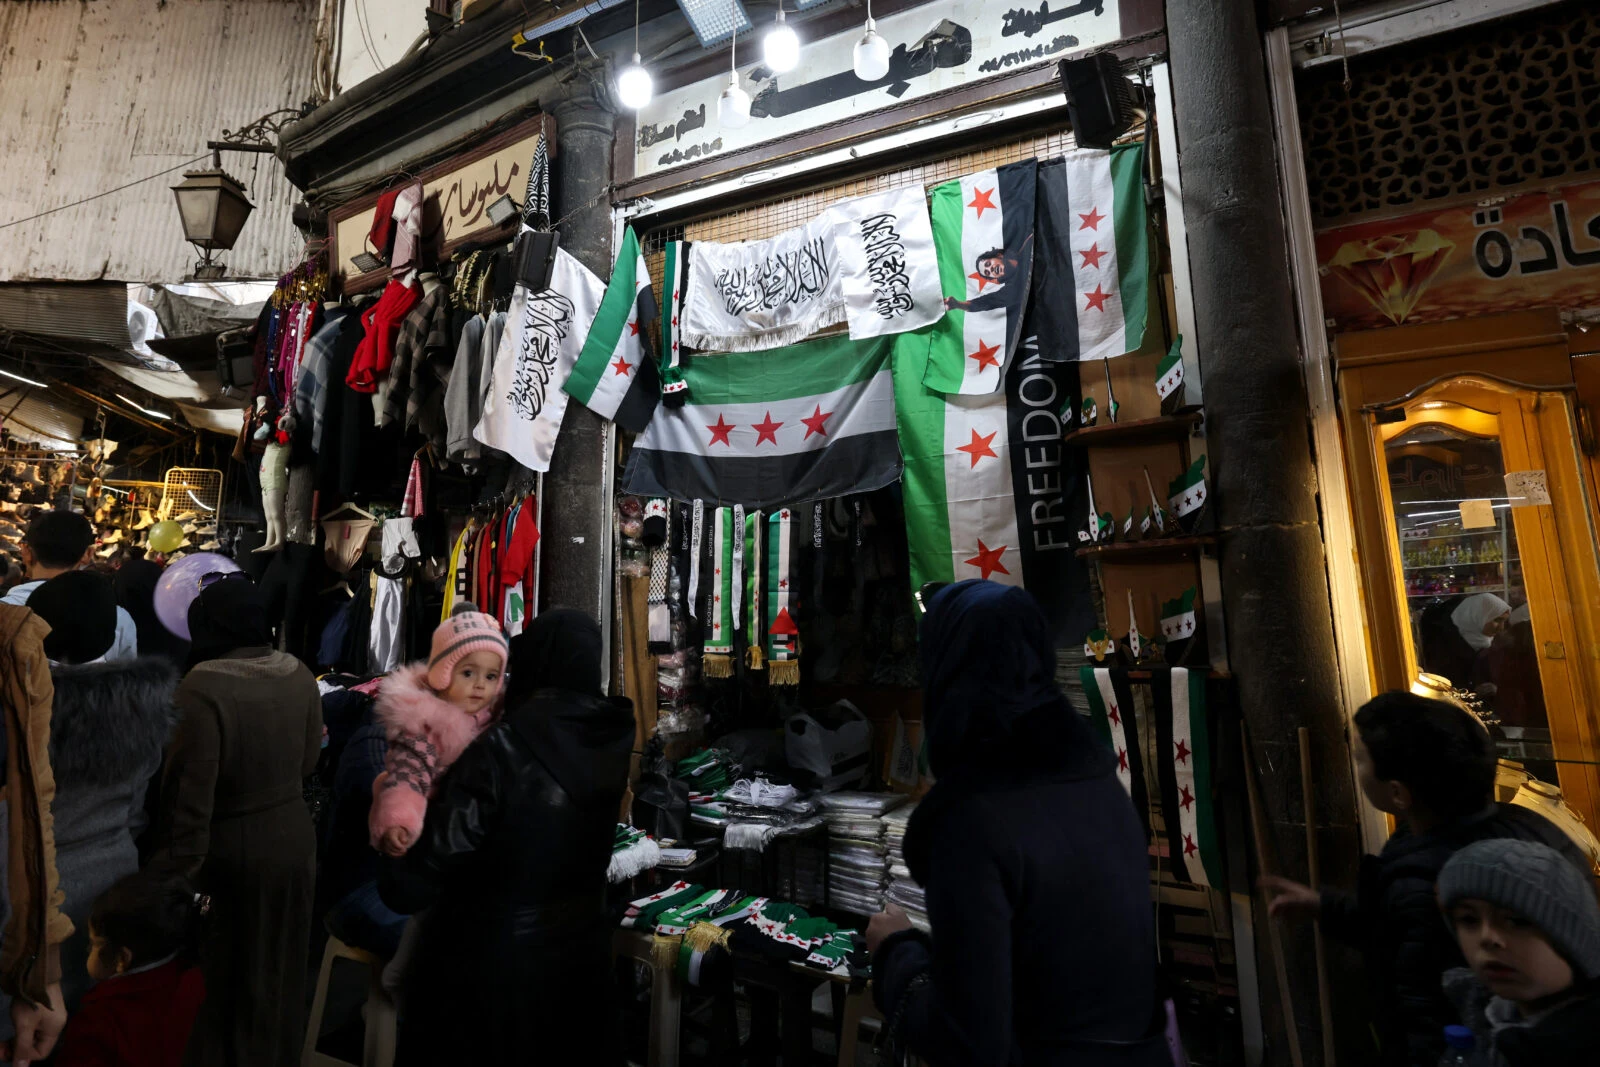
{"type": "Point", "coordinates": [780, 49]}
{"type": "Point", "coordinates": [871, 52]}
{"type": "Point", "coordinates": [733, 106]}
{"type": "Point", "coordinates": [634, 84]}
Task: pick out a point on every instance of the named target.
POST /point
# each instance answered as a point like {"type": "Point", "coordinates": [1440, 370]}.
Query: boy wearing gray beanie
{"type": "Point", "coordinates": [1529, 927]}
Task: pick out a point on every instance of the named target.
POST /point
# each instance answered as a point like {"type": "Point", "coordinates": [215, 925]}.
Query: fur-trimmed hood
{"type": "Point", "coordinates": [110, 721]}
{"type": "Point", "coordinates": [406, 704]}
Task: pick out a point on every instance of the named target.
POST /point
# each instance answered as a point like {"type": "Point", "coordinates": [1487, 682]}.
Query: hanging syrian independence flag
{"type": "Point", "coordinates": [1112, 714]}
{"type": "Point", "coordinates": [721, 620]}
{"type": "Point", "coordinates": [523, 402]}
{"type": "Point", "coordinates": [983, 237]}
{"type": "Point", "coordinates": [1169, 377]}
{"type": "Point", "coordinates": [1184, 741]}
{"type": "Point", "coordinates": [764, 429]}
{"type": "Point", "coordinates": [889, 276]}
{"type": "Point", "coordinates": [674, 283]}
{"type": "Point", "coordinates": [1093, 229]}
{"type": "Point", "coordinates": [615, 376]}
{"type": "Point", "coordinates": [989, 489]}
{"type": "Point", "coordinates": [783, 636]}
{"type": "Point", "coordinates": [1187, 495]}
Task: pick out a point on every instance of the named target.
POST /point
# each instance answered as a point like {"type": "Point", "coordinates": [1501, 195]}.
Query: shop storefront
{"type": "Point", "coordinates": [1443, 212]}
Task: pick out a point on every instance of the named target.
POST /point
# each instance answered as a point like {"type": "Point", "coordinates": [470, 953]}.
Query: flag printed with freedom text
{"type": "Point", "coordinates": [983, 239]}
{"type": "Point", "coordinates": [616, 376]}
{"type": "Point", "coordinates": [990, 491]}
{"type": "Point", "coordinates": [763, 429]}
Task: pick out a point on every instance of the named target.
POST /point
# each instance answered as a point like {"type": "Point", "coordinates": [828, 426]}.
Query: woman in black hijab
{"type": "Point", "coordinates": [512, 865]}
{"type": "Point", "coordinates": [1032, 858]}
{"type": "Point", "coordinates": [233, 821]}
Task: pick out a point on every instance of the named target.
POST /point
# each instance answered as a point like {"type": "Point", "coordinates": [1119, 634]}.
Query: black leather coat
{"type": "Point", "coordinates": [514, 956]}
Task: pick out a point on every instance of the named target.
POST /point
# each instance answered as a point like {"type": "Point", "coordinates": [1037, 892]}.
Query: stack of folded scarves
{"type": "Point", "coordinates": [857, 853]}
{"type": "Point", "coordinates": [903, 891]}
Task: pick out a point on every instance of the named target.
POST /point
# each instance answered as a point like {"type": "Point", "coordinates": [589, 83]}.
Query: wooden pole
{"type": "Point", "coordinates": [1309, 803]}
{"type": "Point", "coordinates": [1258, 824]}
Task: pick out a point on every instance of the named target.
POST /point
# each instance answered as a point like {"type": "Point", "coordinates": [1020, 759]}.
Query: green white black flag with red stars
{"type": "Point", "coordinates": [1183, 738]}
{"type": "Point", "coordinates": [983, 240]}
{"type": "Point", "coordinates": [765, 429]}
{"type": "Point", "coordinates": [615, 376]}
{"type": "Point", "coordinates": [1112, 715]}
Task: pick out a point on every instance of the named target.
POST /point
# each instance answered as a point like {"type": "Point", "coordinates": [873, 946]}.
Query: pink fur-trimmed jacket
{"type": "Point", "coordinates": [426, 735]}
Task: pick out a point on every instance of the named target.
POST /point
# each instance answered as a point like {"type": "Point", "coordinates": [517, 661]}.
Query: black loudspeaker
{"type": "Point", "coordinates": [534, 258]}
{"type": "Point", "coordinates": [1099, 100]}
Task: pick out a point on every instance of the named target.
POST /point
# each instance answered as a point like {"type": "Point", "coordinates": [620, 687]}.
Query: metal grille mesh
{"type": "Point", "coordinates": [190, 489]}
{"type": "Point", "coordinates": [1507, 104]}
{"type": "Point", "coordinates": [758, 222]}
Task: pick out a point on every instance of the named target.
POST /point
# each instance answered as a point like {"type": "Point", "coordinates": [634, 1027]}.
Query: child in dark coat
{"type": "Point", "coordinates": [1529, 926]}
{"type": "Point", "coordinates": [148, 993]}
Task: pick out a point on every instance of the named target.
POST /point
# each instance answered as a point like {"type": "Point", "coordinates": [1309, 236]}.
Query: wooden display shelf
{"type": "Point", "coordinates": [1173, 427]}
{"type": "Point", "coordinates": [1143, 551]}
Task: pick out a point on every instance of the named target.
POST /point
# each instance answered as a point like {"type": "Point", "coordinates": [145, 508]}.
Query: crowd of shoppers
{"type": "Point", "coordinates": [483, 793]}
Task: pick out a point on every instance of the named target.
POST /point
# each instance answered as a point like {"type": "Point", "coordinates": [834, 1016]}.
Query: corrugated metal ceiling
{"type": "Point", "coordinates": [97, 95]}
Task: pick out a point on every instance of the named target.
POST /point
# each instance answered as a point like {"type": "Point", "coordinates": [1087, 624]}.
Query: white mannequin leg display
{"type": "Point", "coordinates": [274, 491]}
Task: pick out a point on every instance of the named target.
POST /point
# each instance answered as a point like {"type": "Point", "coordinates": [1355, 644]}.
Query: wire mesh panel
{"type": "Point", "coordinates": [758, 222]}
{"type": "Point", "coordinates": [186, 489]}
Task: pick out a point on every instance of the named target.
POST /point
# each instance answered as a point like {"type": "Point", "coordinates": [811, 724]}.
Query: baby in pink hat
{"type": "Point", "coordinates": [432, 711]}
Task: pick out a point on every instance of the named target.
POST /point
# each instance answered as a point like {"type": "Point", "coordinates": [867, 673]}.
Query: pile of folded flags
{"type": "Point", "coordinates": [697, 930]}
{"type": "Point", "coordinates": [903, 892]}
{"type": "Point", "coordinates": [858, 867]}
{"type": "Point", "coordinates": [632, 852]}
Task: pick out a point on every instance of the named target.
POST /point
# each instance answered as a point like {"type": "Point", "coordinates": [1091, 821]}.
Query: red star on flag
{"type": "Point", "coordinates": [1187, 799]}
{"type": "Point", "coordinates": [1188, 846]}
{"type": "Point", "coordinates": [1183, 752]}
{"type": "Point", "coordinates": [978, 448]}
{"type": "Point", "coordinates": [988, 559]}
{"type": "Point", "coordinates": [633, 327]}
{"type": "Point", "coordinates": [783, 583]}
{"type": "Point", "coordinates": [814, 424]}
{"type": "Point", "coordinates": [622, 367]}
{"type": "Point", "coordinates": [1092, 256]}
{"type": "Point", "coordinates": [981, 280]}
{"type": "Point", "coordinates": [985, 355]}
{"type": "Point", "coordinates": [766, 429]}
{"type": "Point", "coordinates": [1091, 221]}
{"type": "Point", "coordinates": [981, 200]}
{"type": "Point", "coordinates": [719, 432]}
{"type": "Point", "coordinates": [1122, 759]}
{"type": "Point", "coordinates": [1115, 715]}
{"type": "Point", "coordinates": [1096, 300]}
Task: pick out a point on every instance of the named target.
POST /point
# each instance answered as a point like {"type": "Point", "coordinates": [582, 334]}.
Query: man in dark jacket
{"type": "Point", "coordinates": [1032, 858]}
{"type": "Point", "coordinates": [514, 953]}
{"type": "Point", "coordinates": [1431, 765]}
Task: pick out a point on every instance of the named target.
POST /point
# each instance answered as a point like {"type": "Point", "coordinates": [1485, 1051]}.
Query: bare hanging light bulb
{"type": "Point", "coordinates": [635, 87]}
{"type": "Point", "coordinates": [733, 106]}
{"type": "Point", "coordinates": [780, 48]}
{"type": "Point", "coordinates": [871, 56]}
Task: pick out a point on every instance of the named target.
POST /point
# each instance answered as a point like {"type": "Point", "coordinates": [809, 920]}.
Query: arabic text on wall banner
{"type": "Point", "coordinates": [1537, 249]}
{"type": "Point", "coordinates": [932, 48]}
{"type": "Point", "coordinates": [454, 204]}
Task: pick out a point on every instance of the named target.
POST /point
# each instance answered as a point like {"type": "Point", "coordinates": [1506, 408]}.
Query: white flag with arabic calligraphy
{"type": "Point", "coordinates": [888, 271]}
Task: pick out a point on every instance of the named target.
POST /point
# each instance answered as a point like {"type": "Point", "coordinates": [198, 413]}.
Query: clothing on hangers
{"type": "Point", "coordinates": [344, 536]}
{"type": "Point", "coordinates": [455, 586]}
{"type": "Point", "coordinates": [516, 568]}
{"type": "Point", "coordinates": [389, 400]}
{"type": "Point", "coordinates": [381, 322]}
{"type": "Point", "coordinates": [461, 392]}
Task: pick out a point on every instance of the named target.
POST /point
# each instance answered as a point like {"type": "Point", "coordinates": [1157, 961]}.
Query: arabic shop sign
{"type": "Point", "coordinates": [1537, 249]}
{"type": "Point", "coordinates": [454, 203]}
{"type": "Point", "coordinates": [933, 48]}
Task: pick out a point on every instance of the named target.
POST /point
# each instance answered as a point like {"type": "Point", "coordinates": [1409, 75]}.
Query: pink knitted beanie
{"type": "Point", "coordinates": [466, 631]}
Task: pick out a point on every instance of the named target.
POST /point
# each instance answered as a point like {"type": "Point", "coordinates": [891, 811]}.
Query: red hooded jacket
{"type": "Point", "coordinates": [136, 1020]}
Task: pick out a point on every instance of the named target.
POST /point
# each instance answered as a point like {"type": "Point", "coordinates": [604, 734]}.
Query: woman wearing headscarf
{"type": "Point", "coordinates": [1031, 855]}
{"type": "Point", "coordinates": [108, 726]}
{"type": "Point", "coordinates": [1458, 650]}
{"type": "Point", "coordinates": [512, 864]}
{"type": "Point", "coordinates": [234, 822]}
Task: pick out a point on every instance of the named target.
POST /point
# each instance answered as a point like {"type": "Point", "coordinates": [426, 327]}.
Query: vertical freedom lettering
{"type": "Point", "coordinates": [886, 266]}
{"type": "Point", "coordinates": [791, 277]}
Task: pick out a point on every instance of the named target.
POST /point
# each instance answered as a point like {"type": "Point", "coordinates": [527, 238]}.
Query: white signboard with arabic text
{"type": "Point", "coordinates": [933, 48]}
